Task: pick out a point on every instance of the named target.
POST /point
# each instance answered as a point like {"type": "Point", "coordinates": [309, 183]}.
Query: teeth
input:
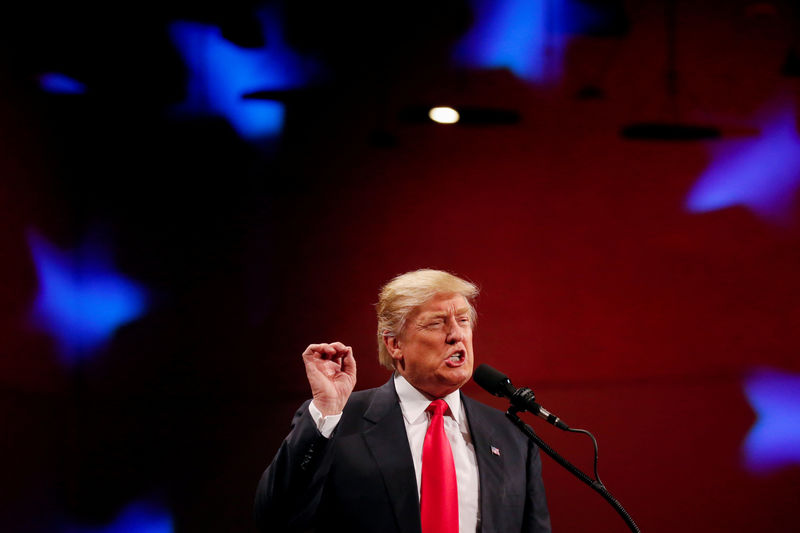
{"type": "Point", "coordinates": [455, 357]}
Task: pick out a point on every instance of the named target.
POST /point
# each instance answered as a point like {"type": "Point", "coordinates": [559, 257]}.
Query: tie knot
{"type": "Point", "coordinates": [437, 407]}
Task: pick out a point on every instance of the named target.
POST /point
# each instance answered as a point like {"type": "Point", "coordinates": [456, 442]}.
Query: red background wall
{"type": "Point", "coordinates": [625, 313]}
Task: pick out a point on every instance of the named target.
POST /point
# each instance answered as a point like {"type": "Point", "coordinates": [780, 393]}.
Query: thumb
{"type": "Point", "coordinates": [349, 363]}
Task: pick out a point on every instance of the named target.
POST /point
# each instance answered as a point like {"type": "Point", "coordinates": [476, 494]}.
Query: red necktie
{"type": "Point", "coordinates": [439, 491]}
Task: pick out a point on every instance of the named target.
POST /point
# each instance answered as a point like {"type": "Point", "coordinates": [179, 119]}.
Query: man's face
{"type": "Point", "coordinates": [434, 352]}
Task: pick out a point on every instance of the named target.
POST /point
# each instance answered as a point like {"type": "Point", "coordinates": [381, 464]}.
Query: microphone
{"type": "Point", "coordinates": [523, 398]}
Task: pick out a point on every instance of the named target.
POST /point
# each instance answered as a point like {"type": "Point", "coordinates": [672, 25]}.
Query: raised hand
{"type": "Point", "coordinates": [331, 372]}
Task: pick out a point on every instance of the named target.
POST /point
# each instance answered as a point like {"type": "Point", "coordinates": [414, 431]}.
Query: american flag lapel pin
{"type": "Point", "coordinates": [495, 450]}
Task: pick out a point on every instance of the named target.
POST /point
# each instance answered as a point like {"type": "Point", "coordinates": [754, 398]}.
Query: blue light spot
{"type": "Point", "coordinates": [81, 300]}
{"type": "Point", "coordinates": [762, 175]}
{"type": "Point", "coordinates": [515, 34]}
{"type": "Point", "coordinates": [220, 73]}
{"type": "Point", "coordinates": [774, 440]}
{"type": "Point", "coordinates": [55, 82]}
{"type": "Point", "coordinates": [139, 517]}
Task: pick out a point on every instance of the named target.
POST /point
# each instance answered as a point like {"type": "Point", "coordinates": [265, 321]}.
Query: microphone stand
{"type": "Point", "coordinates": [595, 485]}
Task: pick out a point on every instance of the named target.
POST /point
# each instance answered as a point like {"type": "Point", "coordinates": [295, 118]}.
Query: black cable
{"type": "Point", "coordinates": [594, 442]}
{"type": "Point", "coordinates": [596, 485]}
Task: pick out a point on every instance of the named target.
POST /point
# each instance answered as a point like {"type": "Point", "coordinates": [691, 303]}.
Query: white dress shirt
{"type": "Point", "coordinates": [413, 404]}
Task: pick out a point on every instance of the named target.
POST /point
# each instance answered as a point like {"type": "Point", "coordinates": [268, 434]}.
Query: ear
{"type": "Point", "coordinates": [393, 347]}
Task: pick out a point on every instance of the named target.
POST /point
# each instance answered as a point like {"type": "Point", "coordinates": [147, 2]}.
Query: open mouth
{"type": "Point", "coordinates": [456, 359]}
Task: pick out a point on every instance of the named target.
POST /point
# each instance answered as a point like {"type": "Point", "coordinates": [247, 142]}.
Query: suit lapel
{"type": "Point", "coordinates": [388, 443]}
{"type": "Point", "coordinates": [490, 464]}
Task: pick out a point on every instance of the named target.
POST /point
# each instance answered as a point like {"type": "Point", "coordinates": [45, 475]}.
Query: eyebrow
{"type": "Point", "coordinates": [444, 314]}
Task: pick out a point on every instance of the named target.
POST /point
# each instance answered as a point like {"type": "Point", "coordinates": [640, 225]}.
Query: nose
{"type": "Point", "coordinates": [455, 332]}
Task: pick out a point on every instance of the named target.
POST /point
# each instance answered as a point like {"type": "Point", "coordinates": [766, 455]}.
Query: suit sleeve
{"type": "Point", "coordinates": [537, 517]}
{"type": "Point", "coordinates": [290, 489]}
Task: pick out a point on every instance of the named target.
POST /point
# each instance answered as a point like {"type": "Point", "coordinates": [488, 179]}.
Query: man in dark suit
{"type": "Point", "coordinates": [369, 460]}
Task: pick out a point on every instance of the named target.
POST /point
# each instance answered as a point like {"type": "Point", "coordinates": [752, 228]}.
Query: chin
{"type": "Point", "coordinates": [458, 377]}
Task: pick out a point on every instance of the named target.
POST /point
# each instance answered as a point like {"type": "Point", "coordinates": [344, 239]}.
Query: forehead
{"type": "Point", "coordinates": [444, 303]}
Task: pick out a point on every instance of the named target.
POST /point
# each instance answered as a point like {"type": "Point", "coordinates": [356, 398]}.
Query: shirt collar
{"type": "Point", "coordinates": [413, 402]}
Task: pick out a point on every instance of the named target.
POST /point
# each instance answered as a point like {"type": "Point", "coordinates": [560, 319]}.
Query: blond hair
{"type": "Point", "coordinates": [406, 292]}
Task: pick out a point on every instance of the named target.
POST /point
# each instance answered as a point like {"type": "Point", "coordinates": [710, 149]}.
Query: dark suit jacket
{"type": "Point", "coordinates": [362, 478]}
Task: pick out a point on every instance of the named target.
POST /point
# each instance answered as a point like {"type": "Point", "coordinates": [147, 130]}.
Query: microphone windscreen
{"type": "Point", "coordinates": [493, 381]}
